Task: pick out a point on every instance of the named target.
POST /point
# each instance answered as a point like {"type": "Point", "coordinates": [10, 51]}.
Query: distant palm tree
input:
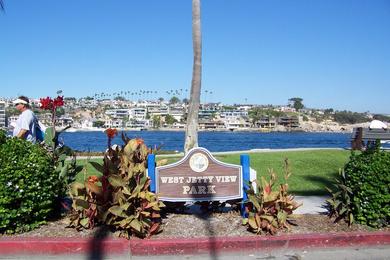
{"type": "Point", "coordinates": [211, 93]}
{"type": "Point", "coordinates": [191, 137]}
{"type": "Point", "coordinates": [205, 99]}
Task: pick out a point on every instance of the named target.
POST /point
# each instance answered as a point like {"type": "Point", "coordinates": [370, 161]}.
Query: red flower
{"type": "Point", "coordinates": [50, 104]}
{"type": "Point", "coordinates": [267, 189]}
{"type": "Point", "coordinates": [93, 179]}
{"type": "Point", "coordinates": [111, 132]}
{"type": "Point", "coordinates": [139, 141]}
{"type": "Point", "coordinates": [58, 101]}
{"type": "Point", "coordinates": [46, 103]}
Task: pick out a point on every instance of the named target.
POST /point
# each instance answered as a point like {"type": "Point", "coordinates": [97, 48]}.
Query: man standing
{"type": "Point", "coordinates": [27, 122]}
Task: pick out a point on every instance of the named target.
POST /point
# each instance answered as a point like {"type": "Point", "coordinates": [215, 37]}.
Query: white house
{"type": "Point", "coordinates": [138, 113]}
{"type": "Point", "coordinates": [118, 113]}
{"type": "Point", "coordinates": [113, 123]}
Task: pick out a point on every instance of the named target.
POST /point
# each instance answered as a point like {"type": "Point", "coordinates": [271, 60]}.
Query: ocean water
{"type": "Point", "coordinates": [213, 141]}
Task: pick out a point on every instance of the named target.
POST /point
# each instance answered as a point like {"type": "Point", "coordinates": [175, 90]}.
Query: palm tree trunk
{"type": "Point", "coordinates": [191, 138]}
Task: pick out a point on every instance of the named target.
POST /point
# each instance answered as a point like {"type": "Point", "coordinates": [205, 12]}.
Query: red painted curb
{"type": "Point", "coordinates": [264, 243]}
{"type": "Point", "coordinates": [58, 246]}
{"type": "Point", "coordinates": [55, 246]}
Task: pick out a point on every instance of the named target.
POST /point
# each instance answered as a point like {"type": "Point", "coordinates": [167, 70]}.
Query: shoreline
{"type": "Point", "coordinates": [74, 130]}
{"type": "Point", "coordinates": [93, 155]}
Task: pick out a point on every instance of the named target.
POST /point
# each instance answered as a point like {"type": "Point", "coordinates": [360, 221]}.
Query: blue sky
{"type": "Point", "coordinates": [333, 53]}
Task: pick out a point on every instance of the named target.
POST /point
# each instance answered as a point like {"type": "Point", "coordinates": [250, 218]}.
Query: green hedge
{"type": "Point", "coordinates": [368, 176]}
{"type": "Point", "coordinates": [29, 185]}
{"type": "Point", "coordinates": [3, 137]}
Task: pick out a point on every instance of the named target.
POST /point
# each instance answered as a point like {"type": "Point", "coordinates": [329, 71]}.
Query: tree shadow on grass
{"type": "Point", "coordinates": [322, 191]}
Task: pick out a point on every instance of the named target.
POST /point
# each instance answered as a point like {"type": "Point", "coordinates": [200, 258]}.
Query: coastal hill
{"type": "Point", "coordinates": [330, 126]}
{"type": "Point", "coordinates": [86, 114]}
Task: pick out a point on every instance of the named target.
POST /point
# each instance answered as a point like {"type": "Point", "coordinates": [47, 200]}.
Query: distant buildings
{"type": "Point", "coordinates": [266, 123]}
{"type": "Point", "coordinates": [213, 116]}
{"type": "Point", "coordinates": [289, 121]}
{"type": "Point", "coordinates": [3, 121]}
{"type": "Point", "coordinates": [118, 113]}
{"type": "Point", "coordinates": [89, 113]}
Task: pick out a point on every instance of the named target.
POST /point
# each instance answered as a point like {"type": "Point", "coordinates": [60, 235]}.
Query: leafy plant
{"type": "Point", "coordinates": [28, 186]}
{"type": "Point", "coordinates": [268, 209]}
{"type": "Point", "coordinates": [52, 105]}
{"type": "Point", "coordinates": [57, 150]}
{"type": "Point", "coordinates": [340, 205]}
{"type": "Point", "coordinates": [120, 198]}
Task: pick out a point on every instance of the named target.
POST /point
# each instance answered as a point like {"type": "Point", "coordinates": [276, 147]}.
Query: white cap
{"type": "Point", "coordinates": [19, 101]}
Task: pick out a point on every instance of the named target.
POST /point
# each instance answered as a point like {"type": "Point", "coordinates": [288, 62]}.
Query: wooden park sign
{"type": "Point", "coordinates": [199, 177]}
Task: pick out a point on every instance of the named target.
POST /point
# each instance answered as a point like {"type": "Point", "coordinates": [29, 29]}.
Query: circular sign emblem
{"type": "Point", "coordinates": [199, 162]}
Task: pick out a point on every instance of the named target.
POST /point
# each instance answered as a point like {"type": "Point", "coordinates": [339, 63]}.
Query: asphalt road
{"type": "Point", "coordinates": [353, 253]}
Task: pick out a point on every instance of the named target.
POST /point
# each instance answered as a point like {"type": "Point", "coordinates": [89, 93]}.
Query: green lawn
{"type": "Point", "coordinates": [311, 170]}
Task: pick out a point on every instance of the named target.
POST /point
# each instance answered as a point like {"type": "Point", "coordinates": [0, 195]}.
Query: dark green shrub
{"type": "Point", "coordinates": [29, 186]}
{"type": "Point", "coordinates": [347, 117]}
{"type": "Point", "coordinates": [368, 176]}
{"type": "Point", "coordinates": [2, 137]}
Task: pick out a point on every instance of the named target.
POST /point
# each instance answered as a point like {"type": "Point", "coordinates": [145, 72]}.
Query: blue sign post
{"type": "Point", "coordinates": [152, 171]}
{"type": "Point", "coordinates": [245, 163]}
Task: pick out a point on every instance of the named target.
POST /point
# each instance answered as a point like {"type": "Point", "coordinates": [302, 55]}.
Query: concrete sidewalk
{"type": "Point", "coordinates": [311, 204]}
{"type": "Point", "coordinates": [344, 253]}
